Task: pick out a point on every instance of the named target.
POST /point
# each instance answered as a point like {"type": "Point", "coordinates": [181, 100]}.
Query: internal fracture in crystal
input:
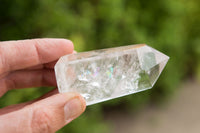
{"type": "Point", "coordinates": [110, 73]}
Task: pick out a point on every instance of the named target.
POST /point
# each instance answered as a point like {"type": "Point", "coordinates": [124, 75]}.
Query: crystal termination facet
{"type": "Point", "coordinates": [105, 74]}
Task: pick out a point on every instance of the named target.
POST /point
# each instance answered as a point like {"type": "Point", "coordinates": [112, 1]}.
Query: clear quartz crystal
{"type": "Point", "coordinates": [105, 74]}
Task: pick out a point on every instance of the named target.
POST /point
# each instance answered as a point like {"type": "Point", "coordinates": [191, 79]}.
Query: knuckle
{"type": "Point", "coordinates": [41, 121]}
{"type": "Point", "coordinates": [37, 43]}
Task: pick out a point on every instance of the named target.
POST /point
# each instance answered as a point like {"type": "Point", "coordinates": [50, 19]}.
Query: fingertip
{"type": "Point", "coordinates": [61, 99]}
{"type": "Point", "coordinates": [67, 44]}
{"type": "Point", "coordinates": [78, 96]}
{"type": "Point", "coordinates": [52, 49]}
{"type": "Point", "coordinates": [74, 107]}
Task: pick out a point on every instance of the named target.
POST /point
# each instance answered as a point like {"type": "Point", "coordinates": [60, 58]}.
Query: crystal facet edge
{"type": "Point", "coordinates": [106, 99]}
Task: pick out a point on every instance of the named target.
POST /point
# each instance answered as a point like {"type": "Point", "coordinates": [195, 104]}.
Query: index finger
{"type": "Point", "coordinates": [15, 55]}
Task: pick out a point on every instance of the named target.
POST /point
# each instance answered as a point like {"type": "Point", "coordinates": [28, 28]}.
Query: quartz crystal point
{"type": "Point", "coordinates": [105, 74]}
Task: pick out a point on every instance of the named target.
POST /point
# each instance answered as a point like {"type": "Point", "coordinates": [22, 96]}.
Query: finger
{"type": "Point", "coordinates": [47, 65]}
{"type": "Point", "coordinates": [27, 79]}
{"type": "Point", "coordinates": [16, 55]}
{"type": "Point", "coordinates": [12, 108]}
{"type": "Point", "coordinates": [34, 78]}
{"type": "Point", "coordinates": [46, 115]}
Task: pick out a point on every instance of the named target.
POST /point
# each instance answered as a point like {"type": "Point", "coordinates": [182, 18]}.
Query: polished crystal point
{"type": "Point", "coordinates": [105, 74]}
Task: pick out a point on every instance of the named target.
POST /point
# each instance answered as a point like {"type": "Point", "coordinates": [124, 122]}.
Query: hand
{"type": "Point", "coordinates": [30, 63]}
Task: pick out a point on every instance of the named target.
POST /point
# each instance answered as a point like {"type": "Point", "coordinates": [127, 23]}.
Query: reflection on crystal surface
{"type": "Point", "coordinates": [109, 73]}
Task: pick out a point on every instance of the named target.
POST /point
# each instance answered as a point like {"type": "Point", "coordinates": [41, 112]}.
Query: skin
{"type": "Point", "coordinates": [29, 63]}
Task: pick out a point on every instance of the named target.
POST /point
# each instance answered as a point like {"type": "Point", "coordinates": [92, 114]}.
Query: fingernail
{"type": "Point", "coordinates": [72, 109]}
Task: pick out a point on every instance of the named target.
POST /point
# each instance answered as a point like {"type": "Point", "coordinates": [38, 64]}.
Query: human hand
{"type": "Point", "coordinates": [30, 63]}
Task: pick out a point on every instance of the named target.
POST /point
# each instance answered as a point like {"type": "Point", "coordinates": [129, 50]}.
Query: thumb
{"type": "Point", "coordinates": [46, 115]}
